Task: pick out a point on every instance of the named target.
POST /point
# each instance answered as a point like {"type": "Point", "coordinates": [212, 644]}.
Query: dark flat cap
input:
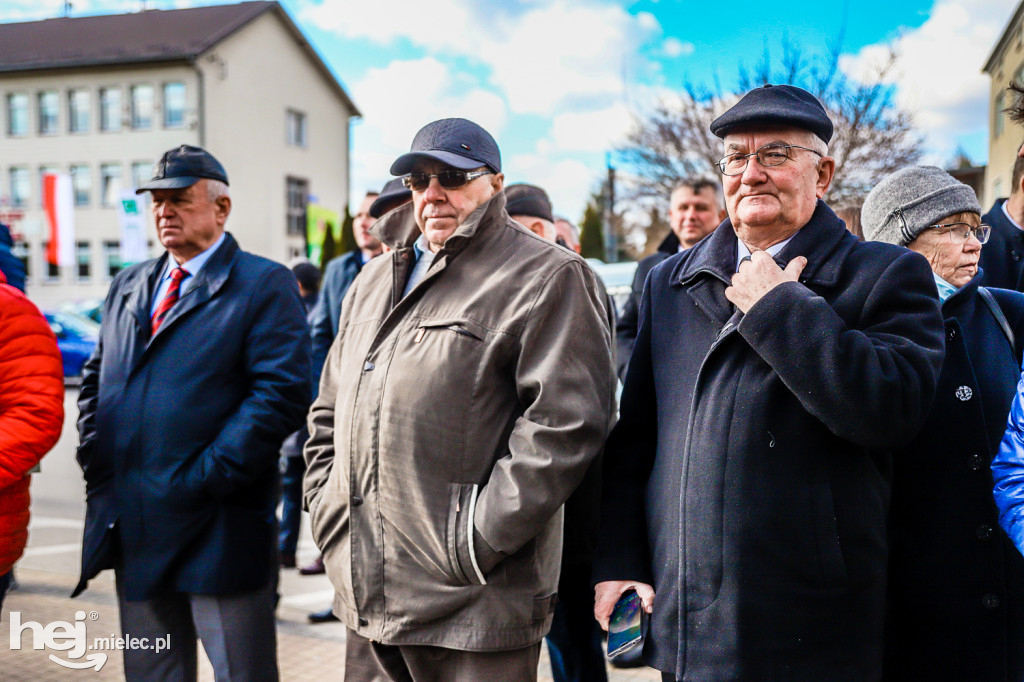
{"type": "Point", "coordinates": [523, 199]}
{"type": "Point", "coordinates": [184, 166]}
{"type": "Point", "coordinates": [457, 142]}
{"type": "Point", "coordinates": [393, 194]}
{"type": "Point", "coordinates": [783, 105]}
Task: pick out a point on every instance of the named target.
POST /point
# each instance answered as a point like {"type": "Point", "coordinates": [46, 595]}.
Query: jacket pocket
{"type": "Point", "coordinates": [459, 535]}
{"type": "Point", "coordinates": [467, 329]}
{"type": "Point", "coordinates": [830, 551]}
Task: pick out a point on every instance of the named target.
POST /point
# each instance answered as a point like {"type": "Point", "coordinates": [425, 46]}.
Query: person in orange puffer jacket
{"type": "Point", "coordinates": [31, 414]}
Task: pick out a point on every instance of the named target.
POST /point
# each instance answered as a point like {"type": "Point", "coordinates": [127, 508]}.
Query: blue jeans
{"type": "Point", "coordinates": [292, 470]}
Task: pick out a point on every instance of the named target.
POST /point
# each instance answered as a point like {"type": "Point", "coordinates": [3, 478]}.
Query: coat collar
{"type": "Point", "coordinates": [398, 229]}
{"type": "Point", "coordinates": [824, 241]}
{"type": "Point", "coordinates": [962, 300]}
{"type": "Point", "coordinates": [139, 290]}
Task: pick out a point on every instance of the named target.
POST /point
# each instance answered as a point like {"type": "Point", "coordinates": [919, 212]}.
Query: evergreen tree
{"type": "Point", "coordinates": [348, 237]}
{"type": "Point", "coordinates": [592, 229]}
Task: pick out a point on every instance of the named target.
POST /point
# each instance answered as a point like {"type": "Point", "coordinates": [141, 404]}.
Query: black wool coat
{"type": "Point", "coordinates": [180, 430]}
{"type": "Point", "coordinates": [1002, 259]}
{"type": "Point", "coordinates": [748, 477]}
{"type": "Point", "coordinates": [956, 582]}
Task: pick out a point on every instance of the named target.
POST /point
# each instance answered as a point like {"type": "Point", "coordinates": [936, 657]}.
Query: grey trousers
{"type": "Point", "coordinates": [238, 632]}
{"type": "Point", "coordinates": [367, 661]}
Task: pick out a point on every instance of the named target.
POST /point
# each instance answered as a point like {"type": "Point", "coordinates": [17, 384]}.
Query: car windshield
{"type": "Point", "coordinates": [78, 325]}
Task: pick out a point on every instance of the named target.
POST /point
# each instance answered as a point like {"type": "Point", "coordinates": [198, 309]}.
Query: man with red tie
{"type": "Point", "coordinates": [201, 371]}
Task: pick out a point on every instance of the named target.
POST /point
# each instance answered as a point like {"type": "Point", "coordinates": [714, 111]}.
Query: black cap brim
{"type": "Point", "coordinates": [178, 182]}
{"type": "Point", "coordinates": [405, 163]}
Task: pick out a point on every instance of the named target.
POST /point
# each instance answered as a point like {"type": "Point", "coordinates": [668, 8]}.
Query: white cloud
{"type": "Point", "coordinates": [673, 48]}
{"type": "Point", "coordinates": [541, 56]}
{"type": "Point", "coordinates": [938, 77]}
{"type": "Point", "coordinates": [591, 131]}
{"type": "Point", "coordinates": [568, 182]}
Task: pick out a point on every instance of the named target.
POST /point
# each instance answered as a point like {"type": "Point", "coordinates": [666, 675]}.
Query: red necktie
{"type": "Point", "coordinates": [177, 274]}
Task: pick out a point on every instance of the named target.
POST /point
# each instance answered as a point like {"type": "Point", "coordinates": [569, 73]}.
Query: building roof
{"type": "Point", "coordinates": [143, 37]}
{"type": "Point", "coordinates": [1004, 38]}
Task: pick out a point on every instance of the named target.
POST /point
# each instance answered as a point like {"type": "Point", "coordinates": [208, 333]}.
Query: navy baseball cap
{"type": "Point", "coordinates": [184, 166]}
{"type": "Point", "coordinates": [783, 105]}
{"type": "Point", "coordinates": [393, 194]}
{"type": "Point", "coordinates": [457, 142]}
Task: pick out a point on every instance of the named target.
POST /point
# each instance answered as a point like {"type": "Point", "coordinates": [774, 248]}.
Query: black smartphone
{"type": "Point", "coordinates": [627, 624]}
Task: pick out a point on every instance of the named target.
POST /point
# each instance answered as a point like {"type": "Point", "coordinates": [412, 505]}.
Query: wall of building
{"type": "Point", "coordinates": [1004, 137]}
{"type": "Point", "coordinates": [253, 79]}
{"type": "Point", "coordinates": [95, 223]}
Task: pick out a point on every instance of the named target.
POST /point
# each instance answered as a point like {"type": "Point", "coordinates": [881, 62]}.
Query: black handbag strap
{"type": "Point", "coordinates": [997, 313]}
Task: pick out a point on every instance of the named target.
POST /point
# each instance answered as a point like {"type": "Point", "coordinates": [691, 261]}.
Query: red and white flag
{"type": "Point", "coordinates": [59, 202]}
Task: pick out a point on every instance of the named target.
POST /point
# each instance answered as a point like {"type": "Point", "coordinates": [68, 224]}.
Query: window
{"type": "Point", "coordinates": [21, 187]}
{"type": "Point", "coordinates": [17, 114]}
{"type": "Point", "coordinates": [112, 258]}
{"type": "Point", "coordinates": [81, 184]}
{"type": "Point", "coordinates": [298, 191]}
{"type": "Point", "coordinates": [142, 107]}
{"type": "Point", "coordinates": [142, 172]}
{"type": "Point", "coordinates": [296, 128]}
{"type": "Point", "coordinates": [110, 184]}
{"type": "Point", "coordinates": [998, 118]}
{"type": "Point", "coordinates": [83, 261]}
{"type": "Point", "coordinates": [110, 109]}
{"type": "Point", "coordinates": [52, 271]}
{"type": "Point", "coordinates": [174, 105]}
{"type": "Point", "coordinates": [49, 107]}
{"type": "Point", "coordinates": [43, 172]}
{"type": "Point", "coordinates": [79, 110]}
{"type": "Point", "coordinates": [20, 251]}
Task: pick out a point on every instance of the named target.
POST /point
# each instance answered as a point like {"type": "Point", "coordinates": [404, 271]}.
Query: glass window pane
{"type": "Point", "coordinates": [174, 105]}
{"type": "Point", "coordinates": [17, 114]}
{"type": "Point", "coordinates": [110, 183]}
{"type": "Point", "coordinates": [296, 128]}
{"type": "Point", "coordinates": [49, 106]}
{"type": "Point", "coordinates": [142, 107]}
{"type": "Point", "coordinates": [112, 257]}
{"type": "Point", "coordinates": [52, 271]}
{"type": "Point", "coordinates": [21, 187]}
{"type": "Point", "coordinates": [21, 252]}
{"type": "Point", "coordinates": [79, 110]}
{"type": "Point", "coordinates": [142, 172]}
{"type": "Point", "coordinates": [83, 261]}
{"type": "Point", "coordinates": [81, 184]}
{"type": "Point", "coordinates": [110, 109]}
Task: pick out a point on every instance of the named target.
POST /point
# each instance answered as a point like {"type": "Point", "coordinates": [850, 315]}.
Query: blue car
{"type": "Point", "coordinates": [76, 337]}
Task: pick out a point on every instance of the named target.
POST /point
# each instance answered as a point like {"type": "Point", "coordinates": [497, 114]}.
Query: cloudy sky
{"type": "Point", "coordinates": [556, 81]}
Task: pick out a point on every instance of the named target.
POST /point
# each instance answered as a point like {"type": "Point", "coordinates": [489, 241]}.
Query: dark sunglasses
{"type": "Point", "coordinates": [449, 179]}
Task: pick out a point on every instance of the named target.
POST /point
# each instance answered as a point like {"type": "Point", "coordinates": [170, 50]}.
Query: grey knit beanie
{"type": "Point", "coordinates": [912, 199]}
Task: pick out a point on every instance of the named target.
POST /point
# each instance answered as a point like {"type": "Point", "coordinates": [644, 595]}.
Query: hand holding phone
{"type": "Point", "coordinates": [627, 625]}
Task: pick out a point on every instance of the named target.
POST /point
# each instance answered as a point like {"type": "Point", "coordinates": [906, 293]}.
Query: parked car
{"type": "Point", "coordinates": [617, 279]}
{"type": "Point", "coordinates": [76, 337]}
{"type": "Point", "coordinates": [89, 307]}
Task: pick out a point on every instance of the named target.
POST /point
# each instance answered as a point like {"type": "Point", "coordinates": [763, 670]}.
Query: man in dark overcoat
{"type": "Point", "coordinates": [201, 370]}
{"type": "Point", "coordinates": [777, 363]}
{"type": "Point", "coordinates": [1002, 259]}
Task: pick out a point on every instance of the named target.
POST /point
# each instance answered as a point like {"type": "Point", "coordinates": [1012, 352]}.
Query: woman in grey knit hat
{"type": "Point", "coordinates": [956, 581]}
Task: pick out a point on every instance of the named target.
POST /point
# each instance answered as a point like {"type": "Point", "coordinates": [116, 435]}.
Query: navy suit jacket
{"type": "Point", "coordinates": [1002, 258]}
{"type": "Point", "coordinates": [180, 432]}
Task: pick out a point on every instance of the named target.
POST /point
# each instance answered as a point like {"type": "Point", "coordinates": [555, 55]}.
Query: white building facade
{"type": "Point", "coordinates": [238, 80]}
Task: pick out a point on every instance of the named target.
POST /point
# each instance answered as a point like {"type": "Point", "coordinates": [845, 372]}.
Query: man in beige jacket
{"type": "Point", "coordinates": [469, 387]}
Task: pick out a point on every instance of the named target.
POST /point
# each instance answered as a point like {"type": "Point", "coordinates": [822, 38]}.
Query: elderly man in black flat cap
{"type": "Point", "coordinates": [777, 364]}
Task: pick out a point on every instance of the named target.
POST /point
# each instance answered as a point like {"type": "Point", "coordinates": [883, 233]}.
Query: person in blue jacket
{"type": "Point", "coordinates": [955, 603]}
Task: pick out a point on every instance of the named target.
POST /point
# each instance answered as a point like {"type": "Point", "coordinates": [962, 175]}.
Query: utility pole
{"type": "Point", "coordinates": [611, 238]}
{"type": "Point", "coordinates": [67, 8]}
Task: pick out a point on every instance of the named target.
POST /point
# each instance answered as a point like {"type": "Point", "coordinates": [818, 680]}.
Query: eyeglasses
{"type": "Point", "coordinates": [449, 179]}
{"type": "Point", "coordinates": [960, 233]}
{"type": "Point", "coordinates": [774, 154]}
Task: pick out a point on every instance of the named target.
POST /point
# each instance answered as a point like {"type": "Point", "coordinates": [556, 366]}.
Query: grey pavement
{"type": "Point", "coordinates": [48, 572]}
